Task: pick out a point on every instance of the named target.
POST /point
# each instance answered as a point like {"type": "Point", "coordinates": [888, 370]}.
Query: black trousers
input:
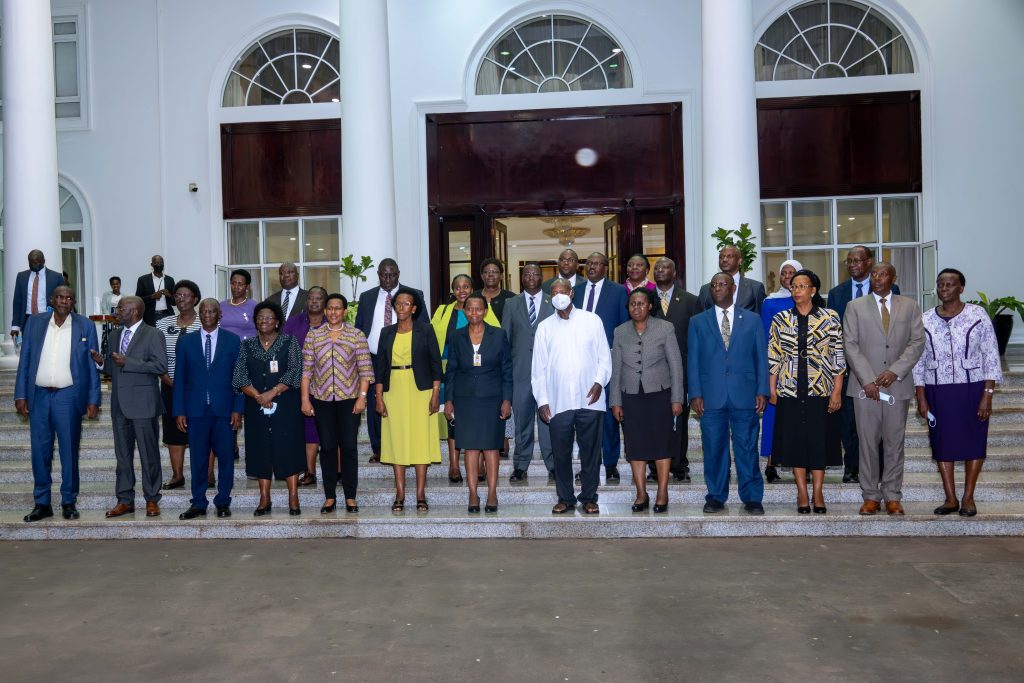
{"type": "Point", "coordinates": [585, 426]}
{"type": "Point", "coordinates": [337, 427]}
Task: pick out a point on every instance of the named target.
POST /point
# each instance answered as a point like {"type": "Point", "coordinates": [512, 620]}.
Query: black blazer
{"type": "Point", "coordinates": [681, 307]}
{"type": "Point", "coordinates": [426, 356]}
{"type": "Point", "coordinates": [492, 378]}
{"type": "Point", "coordinates": [368, 304]}
{"type": "Point", "coordinates": [144, 289]}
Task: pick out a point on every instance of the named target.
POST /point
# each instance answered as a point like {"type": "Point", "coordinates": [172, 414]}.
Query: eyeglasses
{"type": "Point", "coordinates": [852, 261]}
{"type": "Point", "coordinates": [799, 288]}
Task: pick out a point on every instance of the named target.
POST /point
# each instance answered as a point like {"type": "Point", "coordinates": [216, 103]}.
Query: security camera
{"type": "Point", "coordinates": [192, 187]}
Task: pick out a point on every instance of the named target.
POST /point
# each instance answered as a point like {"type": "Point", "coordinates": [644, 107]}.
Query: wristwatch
{"type": "Point", "coordinates": [990, 391]}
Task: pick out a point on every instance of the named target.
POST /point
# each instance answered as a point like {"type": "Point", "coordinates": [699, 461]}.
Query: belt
{"type": "Point", "coordinates": [401, 367]}
{"type": "Point", "coordinates": [52, 390]}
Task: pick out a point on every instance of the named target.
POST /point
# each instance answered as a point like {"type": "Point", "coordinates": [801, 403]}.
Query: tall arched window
{"type": "Point", "coordinates": [831, 39]}
{"type": "Point", "coordinates": [291, 66]}
{"type": "Point", "coordinates": [553, 53]}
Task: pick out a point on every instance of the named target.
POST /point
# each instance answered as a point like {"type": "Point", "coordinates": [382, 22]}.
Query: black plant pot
{"type": "Point", "coordinates": [1003, 325]}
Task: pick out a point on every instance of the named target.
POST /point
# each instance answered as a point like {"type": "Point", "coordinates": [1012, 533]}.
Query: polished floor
{"type": "Point", "coordinates": [768, 609]}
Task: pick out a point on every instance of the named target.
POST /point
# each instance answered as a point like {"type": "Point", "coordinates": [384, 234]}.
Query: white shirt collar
{"type": "Point", "coordinates": [293, 290]}
{"type": "Point", "coordinates": [134, 328]}
{"type": "Point", "coordinates": [866, 282]}
{"type": "Point", "coordinates": [730, 311]}
{"type": "Point", "coordinates": [878, 299]}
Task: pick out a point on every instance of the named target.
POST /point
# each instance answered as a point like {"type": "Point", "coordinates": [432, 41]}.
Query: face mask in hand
{"type": "Point", "coordinates": [561, 301]}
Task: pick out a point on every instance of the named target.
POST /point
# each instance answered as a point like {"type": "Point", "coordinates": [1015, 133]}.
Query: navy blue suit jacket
{"type": "Point", "coordinates": [84, 374]}
{"type": "Point", "coordinates": [730, 378]}
{"type": "Point", "coordinates": [192, 380]}
{"type": "Point", "coordinates": [19, 312]}
{"type": "Point", "coordinates": [610, 308]}
{"type": "Point", "coordinates": [494, 375]}
{"type": "Point", "coordinates": [842, 294]}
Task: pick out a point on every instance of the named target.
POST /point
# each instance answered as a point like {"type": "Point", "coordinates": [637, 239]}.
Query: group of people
{"type": "Point", "coordinates": [576, 359]}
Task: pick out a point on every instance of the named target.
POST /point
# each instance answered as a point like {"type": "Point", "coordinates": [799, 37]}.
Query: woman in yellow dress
{"type": "Point", "coordinates": [408, 390]}
{"type": "Point", "coordinates": [447, 319]}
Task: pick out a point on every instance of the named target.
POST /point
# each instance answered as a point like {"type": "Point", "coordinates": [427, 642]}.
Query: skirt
{"type": "Point", "coordinates": [958, 434]}
{"type": "Point", "coordinates": [409, 434]}
{"type": "Point", "coordinates": [647, 426]}
{"type": "Point", "coordinates": [172, 435]}
{"type": "Point", "coordinates": [806, 434]}
{"type": "Point", "coordinates": [479, 426]}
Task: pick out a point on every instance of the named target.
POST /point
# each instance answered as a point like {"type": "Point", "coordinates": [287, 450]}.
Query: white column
{"type": "Point", "coordinates": [731, 188]}
{"type": "Point", "coordinates": [367, 168]}
{"type": "Point", "coordinates": [31, 215]}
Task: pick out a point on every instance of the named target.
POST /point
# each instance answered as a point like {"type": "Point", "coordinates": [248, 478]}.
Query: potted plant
{"type": "Point", "coordinates": [1002, 322]}
{"type": "Point", "coordinates": [356, 273]}
{"type": "Point", "coordinates": [741, 239]}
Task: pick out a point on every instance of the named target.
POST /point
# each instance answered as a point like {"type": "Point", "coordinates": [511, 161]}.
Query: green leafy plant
{"type": "Point", "coordinates": [995, 307]}
{"type": "Point", "coordinates": [356, 273]}
{"type": "Point", "coordinates": [741, 239]}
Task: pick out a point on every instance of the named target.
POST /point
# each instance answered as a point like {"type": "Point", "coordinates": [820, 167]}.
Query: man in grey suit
{"type": "Point", "coordinates": [749, 292]}
{"type": "Point", "coordinates": [135, 360]}
{"type": "Point", "coordinates": [520, 319]}
{"type": "Point", "coordinates": [884, 339]}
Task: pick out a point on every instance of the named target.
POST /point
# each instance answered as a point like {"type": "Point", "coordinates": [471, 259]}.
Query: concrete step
{"type": "Point", "coordinates": [521, 521]}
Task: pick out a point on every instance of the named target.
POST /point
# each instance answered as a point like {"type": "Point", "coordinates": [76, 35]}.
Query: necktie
{"type": "Point", "coordinates": [209, 358]}
{"type": "Point", "coordinates": [387, 310]}
{"type": "Point", "coordinates": [287, 300]}
{"type": "Point", "coordinates": [726, 329]}
{"type": "Point", "coordinates": [590, 297]}
{"type": "Point", "coordinates": [126, 339]}
{"type": "Point", "coordinates": [35, 294]}
{"type": "Point", "coordinates": [860, 290]}
{"type": "Point", "coordinates": [664, 303]}
{"type": "Point", "coordinates": [533, 311]}
{"type": "Point", "coordinates": [885, 316]}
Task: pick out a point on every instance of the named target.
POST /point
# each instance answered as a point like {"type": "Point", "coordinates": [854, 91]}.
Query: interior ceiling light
{"type": "Point", "coordinates": [563, 230]}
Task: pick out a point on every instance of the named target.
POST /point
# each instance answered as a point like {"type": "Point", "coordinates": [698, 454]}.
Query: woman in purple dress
{"type": "Point", "coordinates": [236, 310]}
{"type": "Point", "coordinates": [955, 379]}
{"type": "Point", "coordinates": [299, 327]}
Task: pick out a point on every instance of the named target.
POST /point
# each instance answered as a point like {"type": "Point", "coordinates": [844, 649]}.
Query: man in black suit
{"type": "Point", "coordinates": [597, 294]}
{"type": "Point", "coordinates": [749, 292]}
{"type": "Point", "coordinates": [859, 262]}
{"type": "Point", "coordinates": [376, 312]}
{"type": "Point", "coordinates": [157, 291]}
{"type": "Point", "coordinates": [677, 306]}
{"type": "Point", "coordinates": [291, 297]}
{"type": "Point", "coordinates": [568, 269]}
{"type": "Point", "coordinates": [33, 290]}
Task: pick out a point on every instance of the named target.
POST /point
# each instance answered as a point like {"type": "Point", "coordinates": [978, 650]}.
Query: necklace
{"type": "Point", "coordinates": [232, 301]}
{"type": "Point", "coordinates": [331, 329]}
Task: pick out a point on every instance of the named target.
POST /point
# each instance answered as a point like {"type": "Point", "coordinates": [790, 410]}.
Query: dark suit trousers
{"type": "Point", "coordinates": [206, 433]}
{"type": "Point", "coordinates": [524, 410]}
{"type": "Point", "coordinates": [715, 426]}
{"type": "Point", "coordinates": [848, 433]}
{"type": "Point", "coordinates": [372, 418]}
{"type": "Point", "coordinates": [144, 432]}
{"type": "Point", "coordinates": [585, 426]}
{"type": "Point", "coordinates": [680, 462]}
{"type": "Point", "coordinates": [610, 437]}
{"type": "Point", "coordinates": [54, 412]}
{"type": "Point", "coordinates": [337, 426]}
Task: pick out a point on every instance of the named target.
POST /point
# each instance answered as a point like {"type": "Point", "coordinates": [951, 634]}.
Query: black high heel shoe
{"type": "Point", "coordinates": [491, 508]}
{"type": "Point", "coordinates": [771, 474]}
{"type": "Point", "coordinates": [351, 508]}
{"type": "Point", "coordinates": [803, 509]}
{"type": "Point", "coordinates": [640, 507]}
{"type": "Point", "coordinates": [327, 509]}
{"type": "Point", "coordinates": [294, 511]}
{"type": "Point", "coordinates": [473, 508]}
{"type": "Point", "coordinates": [820, 510]}
{"type": "Point", "coordinates": [260, 511]}
{"type": "Point", "coordinates": [943, 510]}
{"type": "Point", "coordinates": [661, 507]}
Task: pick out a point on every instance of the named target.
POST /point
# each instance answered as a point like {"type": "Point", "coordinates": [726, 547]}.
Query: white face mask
{"type": "Point", "coordinates": [561, 301]}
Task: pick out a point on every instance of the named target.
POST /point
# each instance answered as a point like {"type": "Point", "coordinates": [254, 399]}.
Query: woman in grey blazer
{"type": "Point", "coordinates": [646, 394]}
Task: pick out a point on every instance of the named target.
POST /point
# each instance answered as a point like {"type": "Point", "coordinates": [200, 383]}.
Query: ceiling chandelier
{"type": "Point", "coordinates": [563, 230]}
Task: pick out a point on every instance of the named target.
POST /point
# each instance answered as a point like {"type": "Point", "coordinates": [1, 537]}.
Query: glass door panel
{"type": "Point", "coordinates": [611, 248]}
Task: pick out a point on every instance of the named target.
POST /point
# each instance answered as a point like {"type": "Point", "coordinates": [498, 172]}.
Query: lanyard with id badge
{"type": "Point", "coordinates": [274, 367]}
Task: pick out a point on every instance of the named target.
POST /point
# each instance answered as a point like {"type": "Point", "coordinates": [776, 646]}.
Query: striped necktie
{"type": "Point", "coordinates": [126, 339]}
{"type": "Point", "coordinates": [287, 300]}
{"type": "Point", "coordinates": [664, 303]}
{"type": "Point", "coordinates": [533, 311]}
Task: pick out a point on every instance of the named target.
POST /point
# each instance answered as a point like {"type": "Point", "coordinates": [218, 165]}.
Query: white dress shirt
{"type": "Point", "coordinates": [597, 294]}
{"type": "Point", "coordinates": [213, 343]}
{"type": "Point", "coordinates": [158, 284]}
{"type": "Point", "coordinates": [537, 299]}
{"type": "Point", "coordinates": [887, 304]}
{"type": "Point", "coordinates": [291, 300]}
{"type": "Point", "coordinates": [55, 358]}
{"type": "Point", "coordinates": [377, 324]}
{"type": "Point", "coordinates": [736, 292]}
{"type": "Point", "coordinates": [569, 357]}
{"type": "Point", "coordinates": [719, 313]}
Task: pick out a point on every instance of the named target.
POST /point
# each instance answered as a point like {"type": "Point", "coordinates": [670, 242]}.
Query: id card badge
{"type": "Point", "coordinates": [477, 362]}
{"type": "Point", "coordinates": [273, 366]}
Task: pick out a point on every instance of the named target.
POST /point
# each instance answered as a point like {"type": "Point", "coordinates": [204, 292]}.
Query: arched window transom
{"type": "Point", "coordinates": [553, 53]}
{"type": "Point", "coordinates": [831, 39]}
{"type": "Point", "coordinates": [293, 66]}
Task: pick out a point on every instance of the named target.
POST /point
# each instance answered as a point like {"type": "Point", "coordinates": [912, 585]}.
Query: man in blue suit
{"type": "Point", "coordinates": [56, 384]}
{"type": "Point", "coordinates": [727, 366]}
{"type": "Point", "coordinates": [859, 262]}
{"type": "Point", "coordinates": [607, 299]}
{"type": "Point", "coordinates": [207, 407]}
{"type": "Point", "coordinates": [33, 290]}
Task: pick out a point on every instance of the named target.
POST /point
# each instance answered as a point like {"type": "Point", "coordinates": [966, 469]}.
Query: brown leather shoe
{"type": "Point", "coordinates": [152, 509]}
{"type": "Point", "coordinates": [120, 509]}
{"type": "Point", "coordinates": [894, 507]}
{"type": "Point", "coordinates": [870, 507]}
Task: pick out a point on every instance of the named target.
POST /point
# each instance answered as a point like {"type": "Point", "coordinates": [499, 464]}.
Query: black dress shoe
{"type": "Point", "coordinates": [491, 508]}
{"type": "Point", "coordinates": [260, 511]}
{"type": "Point", "coordinates": [69, 511]}
{"type": "Point", "coordinates": [851, 476]}
{"type": "Point", "coordinates": [754, 508]}
{"type": "Point", "coordinates": [820, 510]}
{"type": "Point", "coordinates": [473, 508]}
{"type": "Point", "coordinates": [943, 510]}
{"type": "Point", "coordinates": [682, 475]}
{"type": "Point", "coordinates": [192, 513]}
{"type": "Point", "coordinates": [577, 478]}
{"type": "Point", "coordinates": [771, 474]}
{"type": "Point", "coordinates": [176, 484]}
{"type": "Point", "coordinates": [294, 512]}
{"type": "Point", "coordinates": [659, 508]}
{"type": "Point", "coordinates": [611, 474]}
{"type": "Point", "coordinates": [39, 512]}
{"type": "Point", "coordinates": [223, 511]}
{"type": "Point", "coordinates": [518, 475]}
{"type": "Point", "coordinates": [714, 506]}
{"type": "Point", "coordinates": [640, 507]}
{"type": "Point", "coordinates": [968, 510]}
{"type": "Point", "coordinates": [652, 475]}
{"type": "Point", "coordinates": [551, 478]}
{"type": "Point", "coordinates": [803, 509]}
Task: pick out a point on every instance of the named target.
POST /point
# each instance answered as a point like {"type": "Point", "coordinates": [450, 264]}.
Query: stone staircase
{"type": "Point", "coordinates": [524, 509]}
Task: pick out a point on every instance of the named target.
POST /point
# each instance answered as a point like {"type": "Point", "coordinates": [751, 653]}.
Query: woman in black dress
{"type": "Point", "coordinates": [269, 373]}
{"type": "Point", "coordinates": [478, 386]}
{"type": "Point", "coordinates": [806, 362]}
